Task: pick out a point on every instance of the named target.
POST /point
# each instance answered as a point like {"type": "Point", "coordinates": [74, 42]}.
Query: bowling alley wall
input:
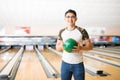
{"type": "Point", "coordinates": [46, 17]}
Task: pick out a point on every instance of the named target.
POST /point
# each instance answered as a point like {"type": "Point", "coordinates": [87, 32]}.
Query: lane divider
{"type": "Point", "coordinates": [91, 70]}
{"type": "Point", "coordinates": [103, 60]}
{"type": "Point", "coordinates": [50, 71]}
{"type": "Point", "coordinates": [105, 54]}
{"type": "Point", "coordinates": [6, 73]}
{"type": "Point", "coordinates": [4, 50]}
{"type": "Point", "coordinates": [106, 50]}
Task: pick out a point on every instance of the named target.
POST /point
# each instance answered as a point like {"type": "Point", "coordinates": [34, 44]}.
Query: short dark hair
{"type": "Point", "coordinates": [71, 11]}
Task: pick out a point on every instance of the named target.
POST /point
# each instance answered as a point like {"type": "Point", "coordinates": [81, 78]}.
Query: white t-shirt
{"type": "Point", "coordinates": [78, 35]}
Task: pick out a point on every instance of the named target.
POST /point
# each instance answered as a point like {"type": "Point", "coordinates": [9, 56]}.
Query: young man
{"type": "Point", "coordinates": [72, 62]}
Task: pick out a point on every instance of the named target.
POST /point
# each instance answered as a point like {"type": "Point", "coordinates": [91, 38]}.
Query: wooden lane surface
{"type": "Point", "coordinates": [56, 62]}
{"type": "Point", "coordinates": [105, 57]}
{"type": "Point", "coordinates": [108, 51]}
{"type": "Point", "coordinates": [112, 70]}
{"type": "Point", "coordinates": [112, 48]}
{"type": "Point", "coordinates": [117, 47]}
{"type": "Point", "coordinates": [54, 59]}
{"type": "Point", "coordinates": [5, 57]}
{"type": "Point", "coordinates": [2, 49]}
{"type": "Point", "coordinates": [30, 68]}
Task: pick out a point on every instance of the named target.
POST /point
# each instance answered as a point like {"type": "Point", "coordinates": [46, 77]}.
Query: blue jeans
{"type": "Point", "coordinates": [77, 70]}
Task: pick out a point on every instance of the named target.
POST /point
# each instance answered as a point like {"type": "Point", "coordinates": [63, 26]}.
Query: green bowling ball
{"type": "Point", "coordinates": [69, 44]}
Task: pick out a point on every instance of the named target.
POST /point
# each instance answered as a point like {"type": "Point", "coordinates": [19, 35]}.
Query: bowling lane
{"type": "Point", "coordinates": [112, 48]}
{"type": "Point", "coordinates": [112, 70]}
{"type": "Point", "coordinates": [104, 57]}
{"type": "Point", "coordinates": [56, 60]}
{"type": "Point", "coordinates": [107, 50]}
{"type": "Point", "coordinates": [30, 68]}
{"type": "Point", "coordinates": [5, 57]}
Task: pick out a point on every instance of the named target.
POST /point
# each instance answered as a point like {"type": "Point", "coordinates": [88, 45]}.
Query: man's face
{"type": "Point", "coordinates": [70, 18]}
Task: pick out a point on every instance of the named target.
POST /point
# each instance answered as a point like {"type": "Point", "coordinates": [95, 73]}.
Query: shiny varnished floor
{"type": "Point", "coordinates": [112, 70]}
{"type": "Point", "coordinates": [6, 56]}
{"type": "Point", "coordinates": [31, 69]}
